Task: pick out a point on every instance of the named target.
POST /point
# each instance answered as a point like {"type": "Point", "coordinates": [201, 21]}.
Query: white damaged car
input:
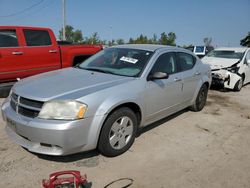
{"type": "Point", "coordinates": [230, 66]}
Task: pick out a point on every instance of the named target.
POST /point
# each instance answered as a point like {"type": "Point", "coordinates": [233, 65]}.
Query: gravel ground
{"type": "Point", "coordinates": [205, 149]}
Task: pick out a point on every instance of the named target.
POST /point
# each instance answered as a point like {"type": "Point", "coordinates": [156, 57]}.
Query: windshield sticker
{"type": "Point", "coordinates": [128, 59]}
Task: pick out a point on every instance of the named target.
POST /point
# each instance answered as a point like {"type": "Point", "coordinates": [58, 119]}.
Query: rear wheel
{"type": "Point", "coordinates": [201, 99]}
{"type": "Point", "coordinates": [118, 132]}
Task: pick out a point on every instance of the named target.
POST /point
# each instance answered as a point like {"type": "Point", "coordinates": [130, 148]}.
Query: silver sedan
{"type": "Point", "coordinates": [104, 101]}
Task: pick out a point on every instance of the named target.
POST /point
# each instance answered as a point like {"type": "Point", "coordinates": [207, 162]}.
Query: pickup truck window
{"type": "Point", "coordinates": [37, 37]}
{"type": "Point", "coordinates": [8, 38]}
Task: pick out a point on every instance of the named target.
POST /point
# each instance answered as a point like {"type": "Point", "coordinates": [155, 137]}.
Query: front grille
{"type": "Point", "coordinates": [32, 103]}
{"type": "Point", "coordinates": [26, 107]}
{"type": "Point", "coordinates": [28, 112]}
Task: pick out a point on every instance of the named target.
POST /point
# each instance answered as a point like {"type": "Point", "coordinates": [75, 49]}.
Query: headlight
{"type": "Point", "coordinates": [63, 110]}
{"type": "Point", "coordinates": [233, 69]}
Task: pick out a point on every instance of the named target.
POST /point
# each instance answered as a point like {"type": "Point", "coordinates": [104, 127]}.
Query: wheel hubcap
{"type": "Point", "coordinates": [121, 132]}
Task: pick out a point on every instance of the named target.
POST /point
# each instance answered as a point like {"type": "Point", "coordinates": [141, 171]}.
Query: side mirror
{"type": "Point", "coordinates": [157, 76]}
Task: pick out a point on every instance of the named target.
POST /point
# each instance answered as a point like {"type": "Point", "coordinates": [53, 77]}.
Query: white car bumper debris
{"type": "Point", "coordinates": [225, 78]}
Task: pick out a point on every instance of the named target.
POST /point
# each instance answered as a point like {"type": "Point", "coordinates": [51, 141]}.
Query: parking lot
{"type": "Point", "coordinates": [205, 149]}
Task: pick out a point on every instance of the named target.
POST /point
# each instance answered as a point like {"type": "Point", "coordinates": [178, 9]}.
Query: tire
{"type": "Point", "coordinates": [201, 99]}
{"type": "Point", "coordinates": [239, 85]}
{"type": "Point", "coordinates": [118, 132]}
{"type": "Point", "coordinates": [4, 92]}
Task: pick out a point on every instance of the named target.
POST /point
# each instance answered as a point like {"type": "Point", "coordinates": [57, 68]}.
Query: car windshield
{"type": "Point", "coordinates": [199, 49]}
{"type": "Point", "coordinates": [119, 61]}
{"type": "Point", "coordinates": [226, 54]}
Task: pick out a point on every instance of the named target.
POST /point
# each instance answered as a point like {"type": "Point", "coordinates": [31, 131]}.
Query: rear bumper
{"type": "Point", "coordinates": [50, 137]}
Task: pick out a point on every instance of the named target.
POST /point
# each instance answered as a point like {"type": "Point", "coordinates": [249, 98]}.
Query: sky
{"type": "Point", "coordinates": [225, 21]}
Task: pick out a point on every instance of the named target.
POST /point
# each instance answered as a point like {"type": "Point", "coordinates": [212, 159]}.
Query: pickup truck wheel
{"type": "Point", "coordinates": [118, 132]}
{"type": "Point", "coordinates": [200, 99]}
{"type": "Point", "coordinates": [4, 92]}
{"type": "Point", "coordinates": [239, 85]}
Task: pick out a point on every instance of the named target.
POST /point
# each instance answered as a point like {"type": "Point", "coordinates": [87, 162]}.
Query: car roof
{"type": "Point", "coordinates": [237, 49]}
{"type": "Point", "coordinates": [14, 27]}
{"type": "Point", "coordinates": [148, 47]}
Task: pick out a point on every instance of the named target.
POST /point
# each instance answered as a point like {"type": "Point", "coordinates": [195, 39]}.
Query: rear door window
{"type": "Point", "coordinates": [8, 38]}
{"type": "Point", "coordinates": [37, 37]}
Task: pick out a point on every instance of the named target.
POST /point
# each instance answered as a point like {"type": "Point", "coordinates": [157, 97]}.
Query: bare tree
{"type": "Point", "coordinates": [207, 41]}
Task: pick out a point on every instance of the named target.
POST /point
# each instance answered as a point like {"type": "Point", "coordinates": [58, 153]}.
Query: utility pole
{"type": "Point", "coordinates": [111, 37]}
{"type": "Point", "coordinates": [64, 20]}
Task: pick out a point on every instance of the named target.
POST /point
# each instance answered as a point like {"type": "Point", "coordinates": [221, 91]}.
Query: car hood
{"type": "Point", "coordinates": [218, 63]}
{"type": "Point", "coordinates": [69, 83]}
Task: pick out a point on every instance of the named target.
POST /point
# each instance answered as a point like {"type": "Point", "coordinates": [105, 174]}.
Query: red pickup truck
{"type": "Point", "coordinates": [26, 51]}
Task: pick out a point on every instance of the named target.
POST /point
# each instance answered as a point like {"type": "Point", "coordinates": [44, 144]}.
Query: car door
{"type": "Point", "coordinates": [40, 51]}
{"type": "Point", "coordinates": [163, 95]}
{"type": "Point", "coordinates": [246, 67]}
{"type": "Point", "coordinates": [11, 55]}
{"type": "Point", "coordinates": [190, 75]}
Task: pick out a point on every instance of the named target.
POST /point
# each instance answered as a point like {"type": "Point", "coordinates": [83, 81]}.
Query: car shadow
{"type": "Point", "coordinates": [160, 122]}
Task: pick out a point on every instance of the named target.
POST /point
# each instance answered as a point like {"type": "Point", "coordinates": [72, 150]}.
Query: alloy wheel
{"type": "Point", "coordinates": [121, 132]}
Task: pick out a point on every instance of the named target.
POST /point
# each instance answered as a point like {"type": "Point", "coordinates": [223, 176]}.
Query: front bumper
{"type": "Point", "coordinates": [225, 78]}
{"type": "Point", "coordinates": [51, 137]}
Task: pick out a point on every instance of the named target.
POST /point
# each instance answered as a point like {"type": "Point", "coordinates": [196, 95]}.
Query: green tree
{"type": "Point", "coordinates": [187, 46]}
{"type": "Point", "coordinates": [245, 41]}
{"type": "Point", "coordinates": [154, 39]}
{"type": "Point", "coordinates": [104, 42]}
{"type": "Point", "coordinates": [71, 35]}
{"type": "Point", "coordinates": [141, 39]}
{"type": "Point", "coordinates": [131, 41]}
{"type": "Point", "coordinates": [111, 42]}
{"type": "Point", "coordinates": [171, 39]}
{"type": "Point", "coordinates": [77, 36]}
{"type": "Point", "coordinates": [120, 41]}
{"type": "Point", "coordinates": [93, 39]}
{"type": "Point", "coordinates": [163, 39]}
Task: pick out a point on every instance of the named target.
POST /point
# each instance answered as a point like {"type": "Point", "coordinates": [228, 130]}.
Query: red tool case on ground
{"type": "Point", "coordinates": [66, 179]}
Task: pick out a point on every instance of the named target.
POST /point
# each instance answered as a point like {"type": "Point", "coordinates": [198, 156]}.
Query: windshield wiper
{"type": "Point", "coordinates": [97, 70]}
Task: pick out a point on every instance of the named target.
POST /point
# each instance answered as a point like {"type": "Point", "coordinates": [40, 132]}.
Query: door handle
{"type": "Point", "coordinates": [177, 79]}
{"type": "Point", "coordinates": [197, 73]}
{"type": "Point", "coordinates": [52, 51]}
{"type": "Point", "coordinates": [17, 53]}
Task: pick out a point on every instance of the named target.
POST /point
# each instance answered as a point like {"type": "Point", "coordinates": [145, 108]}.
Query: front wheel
{"type": "Point", "coordinates": [239, 85]}
{"type": "Point", "coordinates": [118, 132]}
{"type": "Point", "coordinates": [201, 99]}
